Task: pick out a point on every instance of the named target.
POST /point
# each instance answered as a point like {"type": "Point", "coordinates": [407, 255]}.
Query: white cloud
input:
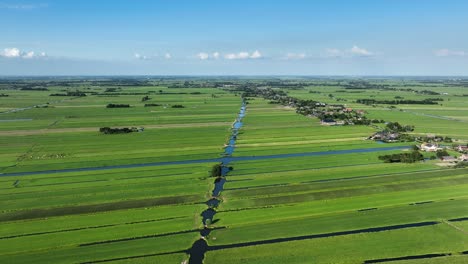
{"type": "Point", "coordinates": [355, 50]}
{"type": "Point", "coordinates": [447, 52]}
{"type": "Point", "coordinates": [295, 56]}
{"type": "Point", "coordinates": [243, 55]}
{"type": "Point", "coordinates": [206, 56]}
{"type": "Point", "coordinates": [17, 53]}
{"type": "Point", "coordinates": [203, 56]}
{"type": "Point", "coordinates": [256, 55]}
{"type": "Point", "coordinates": [11, 53]}
{"type": "Point", "coordinates": [138, 56]}
{"type": "Point", "coordinates": [29, 55]}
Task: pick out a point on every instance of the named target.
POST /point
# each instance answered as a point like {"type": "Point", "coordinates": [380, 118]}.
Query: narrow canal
{"type": "Point", "coordinates": [199, 248]}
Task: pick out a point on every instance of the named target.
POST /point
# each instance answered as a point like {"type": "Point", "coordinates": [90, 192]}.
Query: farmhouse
{"type": "Point", "coordinates": [331, 122]}
{"type": "Point", "coordinates": [385, 136]}
{"type": "Point", "coordinates": [448, 159]}
{"type": "Point", "coordinates": [429, 147]}
{"type": "Point", "coordinates": [462, 148]}
{"type": "Point", "coordinates": [463, 157]}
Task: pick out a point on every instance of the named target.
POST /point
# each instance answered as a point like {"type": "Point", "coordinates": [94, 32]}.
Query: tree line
{"type": "Point", "coordinates": [429, 101]}
{"type": "Point", "coordinates": [410, 157]}
{"type": "Point", "coordinates": [75, 93]}
{"type": "Point", "coordinates": [124, 130]}
{"type": "Point", "coordinates": [117, 106]}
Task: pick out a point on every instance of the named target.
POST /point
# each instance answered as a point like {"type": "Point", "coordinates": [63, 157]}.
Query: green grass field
{"type": "Point", "coordinates": [330, 208]}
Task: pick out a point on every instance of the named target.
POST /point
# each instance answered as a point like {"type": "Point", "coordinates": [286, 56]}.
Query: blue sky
{"type": "Point", "coordinates": [233, 37]}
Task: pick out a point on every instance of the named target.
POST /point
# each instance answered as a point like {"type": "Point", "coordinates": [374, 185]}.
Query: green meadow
{"type": "Point", "coordinates": [141, 201]}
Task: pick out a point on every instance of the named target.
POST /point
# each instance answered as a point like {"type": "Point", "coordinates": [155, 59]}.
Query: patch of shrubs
{"type": "Point", "coordinates": [76, 93]}
{"type": "Point", "coordinates": [117, 106]}
{"type": "Point", "coordinates": [124, 130]}
{"type": "Point", "coordinates": [462, 164]}
{"type": "Point", "coordinates": [147, 105]}
{"type": "Point", "coordinates": [376, 121]}
{"type": "Point", "coordinates": [216, 171]}
{"type": "Point", "coordinates": [396, 127]}
{"type": "Point", "coordinates": [410, 157]}
{"type": "Point", "coordinates": [178, 106]}
{"type": "Point", "coordinates": [442, 153]}
{"type": "Point", "coordinates": [4, 95]}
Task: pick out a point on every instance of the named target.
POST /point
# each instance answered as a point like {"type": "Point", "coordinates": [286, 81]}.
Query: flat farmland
{"type": "Point", "coordinates": [290, 189]}
{"type": "Point", "coordinates": [448, 117]}
{"type": "Point", "coordinates": [69, 215]}
{"type": "Point", "coordinates": [66, 134]}
{"type": "Point", "coordinates": [333, 208]}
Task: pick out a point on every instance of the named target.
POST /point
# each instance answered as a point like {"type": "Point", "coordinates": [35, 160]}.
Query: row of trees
{"type": "Point", "coordinates": [117, 106]}
{"type": "Point", "coordinates": [34, 89]}
{"type": "Point", "coordinates": [397, 127]}
{"type": "Point", "coordinates": [75, 93]}
{"type": "Point", "coordinates": [146, 105]}
{"type": "Point", "coordinates": [428, 101]}
{"type": "Point", "coordinates": [177, 106]}
{"type": "Point", "coordinates": [410, 157]}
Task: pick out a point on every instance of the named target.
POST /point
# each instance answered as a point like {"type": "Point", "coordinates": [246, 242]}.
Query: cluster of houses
{"type": "Point", "coordinates": [434, 138]}
{"type": "Point", "coordinates": [338, 115]}
{"type": "Point", "coordinates": [463, 157]}
{"type": "Point", "coordinates": [385, 136]}
{"type": "Point", "coordinates": [434, 147]}
{"type": "Point", "coordinates": [329, 114]}
{"type": "Point", "coordinates": [462, 149]}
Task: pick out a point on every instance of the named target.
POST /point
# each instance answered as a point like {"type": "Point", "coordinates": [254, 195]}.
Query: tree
{"type": "Point", "coordinates": [216, 171]}
{"type": "Point", "coordinates": [402, 157]}
{"type": "Point", "coordinates": [441, 153]}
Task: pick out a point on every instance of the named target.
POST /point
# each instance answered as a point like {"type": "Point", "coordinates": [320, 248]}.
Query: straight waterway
{"type": "Point", "coordinates": [231, 159]}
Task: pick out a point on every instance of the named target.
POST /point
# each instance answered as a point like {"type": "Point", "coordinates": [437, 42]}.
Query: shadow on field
{"type": "Point", "coordinates": [425, 256]}
{"type": "Point", "coordinates": [93, 208]}
{"type": "Point", "coordinates": [342, 233]}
